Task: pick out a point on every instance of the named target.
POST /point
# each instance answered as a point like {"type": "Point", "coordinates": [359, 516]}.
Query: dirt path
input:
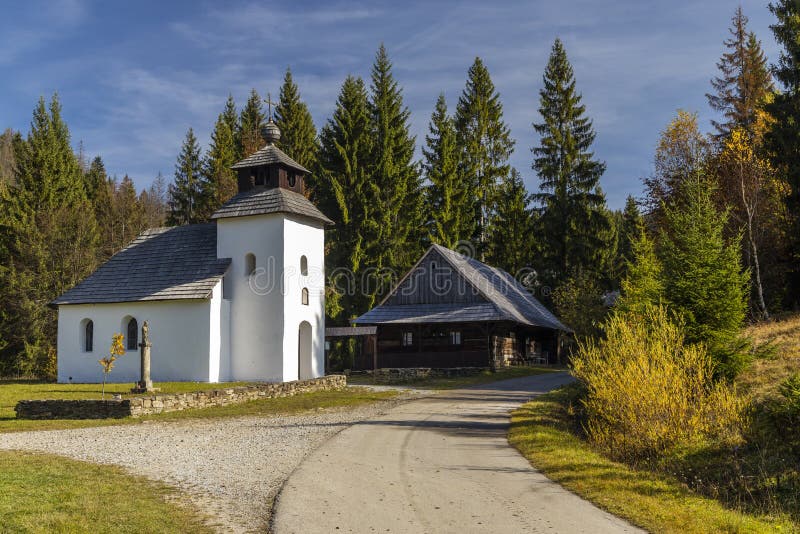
{"type": "Point", "coordinates": [439, 464]}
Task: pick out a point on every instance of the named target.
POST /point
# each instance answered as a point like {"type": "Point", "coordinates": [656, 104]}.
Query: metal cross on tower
{"type": "Point", "coordinates": [270, 103]}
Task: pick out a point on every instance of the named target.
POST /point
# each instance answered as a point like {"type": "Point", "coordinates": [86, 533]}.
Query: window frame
{"type": "Point", "coordinates": [87, 335]}
{"type": "Point", "coordinates": [407, 339]}
{"type": "Point", "coordinates": [304, 296]}
{"type": "Point", "coordinates": [250, 263]}
{"type": "Point", "coordinates": [132, 341]}
{"type": "Point", "coordinates": [455, 338]}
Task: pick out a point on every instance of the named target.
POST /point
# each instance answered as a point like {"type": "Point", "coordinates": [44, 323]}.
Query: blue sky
{"type": "Point", "coordinates": [134, 76]}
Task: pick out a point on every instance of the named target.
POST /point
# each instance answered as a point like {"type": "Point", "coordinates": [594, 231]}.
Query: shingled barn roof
{"type": "Point", "coordinates": [500, 298]}
{"type": "Point", "coordinates": [260, 201]}
{"type": "Point", "coordinates": [161, 264]}
{"type": "Point", "coordinates": [268, 155]}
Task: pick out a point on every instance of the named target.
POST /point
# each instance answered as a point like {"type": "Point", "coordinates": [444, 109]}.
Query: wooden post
{"type": "Point", "coordinates": [374, 353]}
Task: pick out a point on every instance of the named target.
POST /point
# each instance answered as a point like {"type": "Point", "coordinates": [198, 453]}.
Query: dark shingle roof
{"type": "Point", "coordinates": [505, 300]}
{"type": "Point", "coordinates": [160, 264]}
{"type": "Point", "coordinates": [268, 155]}
{"type": "Point", "coordinates": [260, 201]}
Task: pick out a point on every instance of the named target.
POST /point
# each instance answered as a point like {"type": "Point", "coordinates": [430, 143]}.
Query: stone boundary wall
{"type": "Point", "coordinates": [398, 375]}
{"type": "Point", "coordinates": [171, 402]}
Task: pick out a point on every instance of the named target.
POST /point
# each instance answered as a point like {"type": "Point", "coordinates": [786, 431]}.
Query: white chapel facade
{"type": "Point", "coordinates": [241, 298]}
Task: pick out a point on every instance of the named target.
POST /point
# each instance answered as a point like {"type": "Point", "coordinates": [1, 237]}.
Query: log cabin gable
{"type": "Point", "coordinates": [434, 281]}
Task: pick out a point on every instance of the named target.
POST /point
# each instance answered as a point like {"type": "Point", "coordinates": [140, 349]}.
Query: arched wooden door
{"type": "Point", "coordinates": [304, 352]}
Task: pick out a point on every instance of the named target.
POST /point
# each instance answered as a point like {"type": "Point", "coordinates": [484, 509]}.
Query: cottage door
{"type": "Point", "coordinates": [304, 352]}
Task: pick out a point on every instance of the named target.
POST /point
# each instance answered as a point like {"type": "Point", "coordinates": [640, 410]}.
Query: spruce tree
{"type": "Point", "coordinates": [48, 170]}
{"type": "Point", "coordinates": [642, 286]}
{"type": "Point", "coordinates": [570, 201]}
{"type": "Point", "coordinates": [187, 193]}
{"type": "Point", "coordinates": [8, 160]}
{"type": "Point", "coordinates": [220, 181]}
{"type": "Point", "coordinates": [252, 118]}
{"type": "Point", "coordinates": [231, 119]}
{"type": "Point", "coordinates": [783, 139]}
{"type": "Point", "coordinates": [744, 81]}
{"type": "Point", "coordinates": [511, 236]}
{"type": "Point", "coordinates": [95, 178]}
{"type": "Point", "coordinates": [631, 229]}
{"type": "Point", "coordinates": [704, 282]}
{"type": "Point", "coordinates": [486, 144]}
{"type": "Point", "coordinates": [344, 194]}
{"type": "Point", "coordinates": [448, 199]}
{"type": "Point", "coordinates": [48, 241]}
{"type": "Point", "coordinates": [395, 176]}
{"type": "Point", "coordinates": [298, 134]}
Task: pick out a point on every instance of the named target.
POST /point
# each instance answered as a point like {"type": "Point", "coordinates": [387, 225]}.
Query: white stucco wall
{"type": "Point", "coordinates": [256, 309]}
{"type": "Point", "coordinates": [181, 332]}
{"type": "Point", "coordinates": [304, 238]}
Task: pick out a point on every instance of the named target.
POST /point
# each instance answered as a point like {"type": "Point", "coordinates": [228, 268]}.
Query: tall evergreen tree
{"type": "Point", "coordinates": [395, 180]}
{"type": "Point", "coordinates": [448, 199]}
{"type": "Point", "coordinates": [744, 81]}
{"type": "Point", "coordinates": [252, 118]}
{"type": "Point", "coordinates": [642, 287]}
{"type": "Point", "coordinates": [95, 178]}
{"type": "Point", "coordinates": [231, 119]}
{"type": "Point", "coordinates": [220, 181]}
{"type": "Point", "coordinates": [632, 227]}
{"type": "Point", "coordinates": [186, 194]}
{"type": "Point", "coordinates": [8, 161]}
{"type": "Point", "coordinates": [511, 235]}
{"type": "Point", "coordinates": [298, 134]}
{"type": "Point", "coordinates": [486, 144]}
{"type": "Point", "coordinates": [783, 140]}
{"type": "Point", "coordinates": [344, 194]}
{"type": "Point", "coordinates": [48, 170]}
{"type": "Point", "coordinates": [571, 203]}
{"type": "Point", "coordinates": [704, 281]}
{"type": "Point", "coordinates": [48, 239]}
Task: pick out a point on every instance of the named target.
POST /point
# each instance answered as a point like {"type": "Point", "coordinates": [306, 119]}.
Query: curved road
{"type": "Point", "coordinates": [439, 464]}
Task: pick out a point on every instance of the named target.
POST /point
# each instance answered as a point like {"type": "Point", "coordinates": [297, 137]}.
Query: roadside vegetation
{"type": "Point", "coordinates": [42, 494]}
{"type": "Point", "coordinates": [547, 432]}
{"type": "Point", "coordinates": [11, 392]}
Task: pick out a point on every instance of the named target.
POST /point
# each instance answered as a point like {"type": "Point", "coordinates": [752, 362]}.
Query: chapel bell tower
{"type": "Point", "coordinates": [270, 167]}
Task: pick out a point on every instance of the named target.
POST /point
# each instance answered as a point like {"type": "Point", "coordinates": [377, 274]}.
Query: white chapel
{"type": "Point", "coordinates": [240, 298]}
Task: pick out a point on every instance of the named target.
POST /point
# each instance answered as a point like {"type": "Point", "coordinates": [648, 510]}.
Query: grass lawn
{"type": "Point", "coordinates": [43, 493]}
{"type": "Point", "coordinates": [484, 377]}
{"type": "Point", "coordinates": [541, 431]}
{"type": "Point", "coordinates": [763, 377]}
{"type": "Point", "coordinates": [13, 391]}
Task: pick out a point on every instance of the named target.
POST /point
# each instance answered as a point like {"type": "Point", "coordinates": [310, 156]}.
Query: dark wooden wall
{"type": "Point", "coordinates": [434, 281]}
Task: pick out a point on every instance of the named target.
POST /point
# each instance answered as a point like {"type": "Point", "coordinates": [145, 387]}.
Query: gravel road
{"type": "Point", "coordinates": [441, 464]}
{"type": "Point", "coordinates": [229, 468]}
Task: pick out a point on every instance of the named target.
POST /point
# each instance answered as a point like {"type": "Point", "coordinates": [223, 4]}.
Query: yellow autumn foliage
{"type": "Point", "coordinates": [648, 393]}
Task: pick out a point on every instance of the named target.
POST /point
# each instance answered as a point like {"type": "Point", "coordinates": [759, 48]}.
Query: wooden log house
{"type": "Point", "coordinates": [453, 311]}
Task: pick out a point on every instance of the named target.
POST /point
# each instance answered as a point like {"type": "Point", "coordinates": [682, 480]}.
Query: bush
{"type": "Point", "coordinates": [649, 393]}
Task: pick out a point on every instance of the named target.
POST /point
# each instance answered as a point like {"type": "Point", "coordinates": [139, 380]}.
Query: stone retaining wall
{"type": "Point", "coordinates": [161, 403]}
{"type": "Point", "coordinates": [398, 375]}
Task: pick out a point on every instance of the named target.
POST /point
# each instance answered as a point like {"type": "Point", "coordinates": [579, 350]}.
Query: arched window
{"type": "Point", "coordinates": [133, 334]}
{"type": "Point", "coordinates": [304, 296]}
{"type": "Point", "coordinates": [303, 265]}
{"type": "Point", "coordinates": [249, 264]}
{"type": "Point", "coordinates": [87, 335]}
